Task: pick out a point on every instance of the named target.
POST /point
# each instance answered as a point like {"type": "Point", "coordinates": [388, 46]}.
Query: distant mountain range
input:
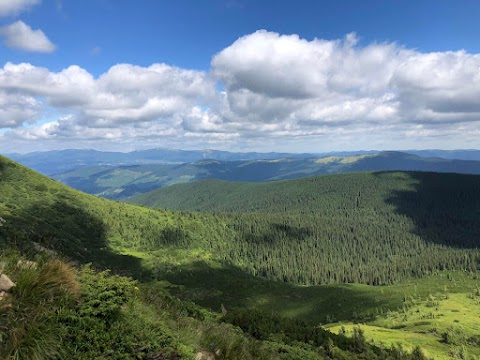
{"type": "Point", "coordinates": [448, 154]}
{"type": "Point", "coordinates": [121, 182]}
{"type": "Point", "coordinates": [55, 162]}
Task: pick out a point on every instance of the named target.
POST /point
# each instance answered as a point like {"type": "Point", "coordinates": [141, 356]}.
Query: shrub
{"type": "Point", "coordinates": [103, 295]}
{"type": "Point", "coordinates": [453, 336]}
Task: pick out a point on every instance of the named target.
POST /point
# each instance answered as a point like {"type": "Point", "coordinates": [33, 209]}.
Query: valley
{"type": "Point", "coordinates": [123, 181]}
{"type": "Point", "coordinates": [361, 249]}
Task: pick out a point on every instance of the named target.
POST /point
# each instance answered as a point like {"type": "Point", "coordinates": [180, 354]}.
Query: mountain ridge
{"type": "Point", "coordinates": [57, 161]}
{"type": "Point", "coordinates": [121, 182]}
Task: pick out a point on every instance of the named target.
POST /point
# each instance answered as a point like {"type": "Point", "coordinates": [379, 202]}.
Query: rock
{"type": "Point", "coordinates": [2, 294]}
{"type": "Point", "coordinates": [204, 355]}
{"type": "Point", "coordinates": [5, 283]}
{"type": "Point", "coordinates": [43, 249]}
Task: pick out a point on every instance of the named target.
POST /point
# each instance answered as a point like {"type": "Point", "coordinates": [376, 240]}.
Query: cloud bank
{"type": "Point", "coordinates": [266, 90]}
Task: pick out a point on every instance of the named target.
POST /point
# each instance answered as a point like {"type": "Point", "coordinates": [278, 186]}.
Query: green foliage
{"type": "Point", "coordinates": [53, 314]}
{"type": "Point", "coordinates": [443, 332]}
{"type": "Point", "coordinates": [261, 326]}
{"type": "Point", "coordinates": [90, 229]}
{"type": "Point", "coordinates": [28, 323]}
{"type": "Point", "coordinates": [359, 342]}
{"type": "Point", "coordinates": [418, 354]}
{"type": "Point", "coordinates": [454, 336]}
{"type": "Point", "coordinates": [95, 315]}
{"type": "Point", "coordinates": [104, 295]}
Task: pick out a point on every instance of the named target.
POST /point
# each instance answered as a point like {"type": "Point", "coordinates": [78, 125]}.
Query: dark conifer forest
{"type": "Point", "coordinates": [372, 228]}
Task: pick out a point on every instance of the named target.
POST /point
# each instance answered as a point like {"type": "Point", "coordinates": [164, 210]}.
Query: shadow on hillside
{"type": "Point", "coordinates": [277, 233]}
{"type": "Point", "coordinates": [214, 286]}
{"type": "Point", "coordinates": [444, 208]}
{"type": "Point", "coordinates": [70, 231]}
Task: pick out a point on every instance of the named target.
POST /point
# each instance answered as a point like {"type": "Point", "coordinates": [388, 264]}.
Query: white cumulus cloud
{"type": "Point", "coordinates": [127, 100]}
{"type": "Point", "coordinates": [21, 36]}
{"type": "Point", "coordinates": [276, 91]}
{"type": "Point", "coordinates": [305, 84]}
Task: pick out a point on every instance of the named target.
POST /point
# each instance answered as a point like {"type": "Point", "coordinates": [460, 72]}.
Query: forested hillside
{"type": "Point", "coordinates": [373, 228]}
{"type": "Point", "coordinates": [120, 182]}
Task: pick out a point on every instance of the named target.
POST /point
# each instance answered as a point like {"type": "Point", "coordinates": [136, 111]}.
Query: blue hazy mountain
{"type": "Point", "coordinates": [120, 182]}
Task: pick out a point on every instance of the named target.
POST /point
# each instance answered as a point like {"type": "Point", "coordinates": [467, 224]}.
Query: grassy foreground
{"type": "Point", "coordinates": [57, 311]}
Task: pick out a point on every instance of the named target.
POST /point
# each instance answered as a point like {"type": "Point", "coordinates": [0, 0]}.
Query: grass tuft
{"type": "Point", "coordinates": [27, 329]}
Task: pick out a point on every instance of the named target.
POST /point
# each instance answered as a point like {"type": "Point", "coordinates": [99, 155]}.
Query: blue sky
{"type": "Point", "coordinates": [186, 33]}
{"type": "Point", "coordinates": [324, 75]}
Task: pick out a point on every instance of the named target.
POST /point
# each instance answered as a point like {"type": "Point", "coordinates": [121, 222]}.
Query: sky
{"type": "Point", "coordinates": [240, 75]}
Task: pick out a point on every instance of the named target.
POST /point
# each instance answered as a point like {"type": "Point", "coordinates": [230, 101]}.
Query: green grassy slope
{"type": "Point", "coordinates": [124, 181]}
{"type": "Point", "coordinates": [88, 228]}
{"type": "Point", "coordinates": [48, 317]}
{"type": "Point", "coordinates": [59, 312]}
{"type": "Point", "coordinates": [446, 325]}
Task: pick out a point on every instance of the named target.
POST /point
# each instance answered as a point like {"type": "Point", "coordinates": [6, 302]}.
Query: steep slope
{"type": "Point", "coordinates": [349, 234]}
{"type": "Point", "coordinates": [60, 312]}
{"type": "Point", "coordinates": [56, 312]}
{"type": "Point", "coordinates": [120, 182]}
{"type": "Point", "coordinates": [87, 228]}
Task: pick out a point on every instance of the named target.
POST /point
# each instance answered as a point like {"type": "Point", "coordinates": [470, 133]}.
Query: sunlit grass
{"type": "Point", "coordinates": [425, 322]}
